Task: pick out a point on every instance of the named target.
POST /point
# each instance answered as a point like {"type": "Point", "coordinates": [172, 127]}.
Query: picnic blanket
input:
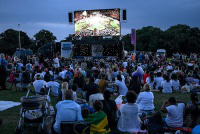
{"type": "Point", "coordinates": [8, 104]}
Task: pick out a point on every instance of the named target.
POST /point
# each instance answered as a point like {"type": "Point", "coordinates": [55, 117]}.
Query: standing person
{"type": "Point", "coordinates": [56, 62]}
{"type": "Point", "coordinates": [41, 61]}
{"type": "Point", "coordinates": [174, 112]}
{"type": "Point", "coordinates": [3, 61]}
{"type": "Point", "coordinates": [3, 76]}
{"type": "Point", "coordinates": [129, 120]}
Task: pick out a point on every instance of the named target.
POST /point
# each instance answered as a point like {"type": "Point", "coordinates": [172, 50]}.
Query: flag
{"type": "Point", "coordinates": [133, 36]}
{"type": "Point", "coordinates": [99, 123]}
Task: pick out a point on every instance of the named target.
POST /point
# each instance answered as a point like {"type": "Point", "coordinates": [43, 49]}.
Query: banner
{"type": "Point", "coordinates": [66, 49]}
{"type": "Point", "coordinates": [133, 36]}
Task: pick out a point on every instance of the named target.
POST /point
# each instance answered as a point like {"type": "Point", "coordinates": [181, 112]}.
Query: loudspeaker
{"type": "Point", "coordinates": [70, 17]}
{"type": "Point", "coordinates": [124, 14]}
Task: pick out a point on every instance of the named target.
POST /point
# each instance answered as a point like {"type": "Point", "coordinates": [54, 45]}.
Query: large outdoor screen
{"type": "Point", "coordinates": [97, 22]}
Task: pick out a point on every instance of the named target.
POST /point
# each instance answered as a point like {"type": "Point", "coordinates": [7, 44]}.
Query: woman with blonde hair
{"type": "Point", "coordinates": [64, 88]}
{"type": "Point", "coordinates": [145, 99]}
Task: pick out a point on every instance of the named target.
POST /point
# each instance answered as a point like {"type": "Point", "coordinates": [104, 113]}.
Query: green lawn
{"type": "Point", "coordinates": [11, 116]}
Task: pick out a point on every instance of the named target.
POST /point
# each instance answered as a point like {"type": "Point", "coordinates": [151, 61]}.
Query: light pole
{"type": "Point", "coordinates": [19, 37]}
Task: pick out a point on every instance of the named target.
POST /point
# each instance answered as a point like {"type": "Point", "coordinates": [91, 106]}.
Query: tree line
{"type": "Point", "coordinates": [179, 38]}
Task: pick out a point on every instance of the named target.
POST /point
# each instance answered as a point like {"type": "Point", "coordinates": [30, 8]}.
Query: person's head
{"type": "Point", "coordinates": [91, 80]}
{"type": "Point", "coordinates": [38, 77]}
{"type": "Point", "coordinates": [131, 97]}
{"type": "Point", "coordinates": [172, 100]}
{"type": "Point", "coordinates": [159, 74]}
{"type": "Point", "coordinates": [147, 72]}
{"type": "Point", "coordinates": [85, 112]}
{"type": "Point", "coordinates": [98, 105]}
{"type": "Point", "coordinates": [107, 94]}
{"type": "Point", "coordinates": [174, 76]}
{"type": "Point", "coordinates": [68, 95]}
{"type": "Point", "coordinates": [166, 77]}
{"type": "Point", "coordinates": [74, 87]}
{"type": "Point", "coordinates": [64, 86]}
{"type": "Point", "coordinates": [151, 76]}
{"type": "Point", "coordinates": [103, 76]}
{"type": "Point", "coordinates": [95, 89]}
{"type": "Point", "coordinates": [119, 77]}
{"type": "Point", "coordinates": [194, 97]}
{"type": "Point", "coordinates": [52, 78]}
{"type": "Point", "coordinates": [42, 91]}
{"type": "Point", "coordinates": [146, 87]}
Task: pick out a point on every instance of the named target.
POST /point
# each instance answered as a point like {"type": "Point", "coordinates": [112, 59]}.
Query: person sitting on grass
{"type": "Point", "coordinates": [98, 120]}
{"type": "Point", "coordinates": [174, 112]}
{"type": "Point", "coordinates": [145, 99]}
{"type": "Point", "coordinates": [175, 82]}
{"type": "Point", "coordinates": [192, 111]}
{"type": "Point", "coordinates": [129, 120]}
{"type": "Point", "coordinates": [110, 108]}
{"type": "Point", "coordinates": [166, 85]}
{"type": "Point", "coordinates": [67, 110]}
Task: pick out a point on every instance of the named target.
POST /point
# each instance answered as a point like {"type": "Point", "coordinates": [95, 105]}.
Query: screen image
{"type": "Point", "coordinates": [97, 22]}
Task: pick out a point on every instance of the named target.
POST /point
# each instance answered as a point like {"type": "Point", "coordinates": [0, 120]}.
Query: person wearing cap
{"type": "Point", "coordinates": [38, 84]}
{"type": "Point", "coordinates": [174, 112]}
{"type": "Point", "coordinates": [54, 86]}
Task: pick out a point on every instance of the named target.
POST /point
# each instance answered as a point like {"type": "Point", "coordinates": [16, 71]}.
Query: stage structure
{"type": "Point", "coordinates": [97, 24]}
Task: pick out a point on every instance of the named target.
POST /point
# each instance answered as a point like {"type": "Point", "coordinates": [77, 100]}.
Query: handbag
{"type": "Point", "coordinates": [75, 127]}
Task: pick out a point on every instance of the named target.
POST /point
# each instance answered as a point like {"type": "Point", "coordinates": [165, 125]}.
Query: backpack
{"type": "Point", "coordinates": [26, 77]}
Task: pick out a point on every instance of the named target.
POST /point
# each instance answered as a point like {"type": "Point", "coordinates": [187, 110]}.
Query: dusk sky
{"type": "Point", "coordinates": [52, 15]}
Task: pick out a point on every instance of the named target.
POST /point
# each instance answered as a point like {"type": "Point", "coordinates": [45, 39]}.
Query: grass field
{"type": "Point", "coordinates": [11, 116]}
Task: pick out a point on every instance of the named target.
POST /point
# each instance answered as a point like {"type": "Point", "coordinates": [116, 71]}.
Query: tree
{"type": "Point", "coordinates": [43, 37]}
{"type": "Point", "coordinates": [9, 41]}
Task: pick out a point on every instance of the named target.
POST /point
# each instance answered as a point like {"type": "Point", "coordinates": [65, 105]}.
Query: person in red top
{"type": "Point", "coordinates": [146, 75]}
{"type": "Point", "coordinates": [132, 57]}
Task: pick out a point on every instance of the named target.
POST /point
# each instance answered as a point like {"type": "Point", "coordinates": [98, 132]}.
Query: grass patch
{"type": "Point", "coordinates": [11, 116]}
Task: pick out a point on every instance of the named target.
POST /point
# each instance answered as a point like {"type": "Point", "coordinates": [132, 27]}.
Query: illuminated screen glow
{"type": "Point", "coordinates": [97, 22]}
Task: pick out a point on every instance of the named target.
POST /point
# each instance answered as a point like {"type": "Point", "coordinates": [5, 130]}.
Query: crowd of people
{"type": "Point", "coordinates": [86, 89]}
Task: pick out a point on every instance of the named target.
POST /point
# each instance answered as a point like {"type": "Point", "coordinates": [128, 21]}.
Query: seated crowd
{"type": "Point", "coordinates": [86, 91]}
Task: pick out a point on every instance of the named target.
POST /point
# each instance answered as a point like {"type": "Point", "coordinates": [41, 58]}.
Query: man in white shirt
{"type": "Point", "coordinates": [174, 112]}
{"type": "Point", "coordinates": [38, 84]}
{"type": "Point", "coordinates": [55, 86]}
{"type": "Point", "coordinates": [56, 62]}
{"type": "Point", "coordinates": [67, 110]}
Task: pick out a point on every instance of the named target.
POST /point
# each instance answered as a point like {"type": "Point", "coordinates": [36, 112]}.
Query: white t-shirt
{"type": "Point", "coordinates": [175, 84]}
{"type": "Point", "coordinates": [122, 87]}
{"type": "Point", "coordinates": [124, 64]}
{"type": "Point", "coordinates": [167, 87]}
{"type": "Point", "coordinates": [129, 120]}
{"type": "Point", "coordinates": [174, 116]}
{"type": "Point", "coordinates": [145, 101]}
{"type": "Point", "coordinates": [94, 97]}
{"type": "Point", "coordinates": [56, 63]}
{"type": "Point", "coordinates": [54, 87]}
{"type": "Point", "coordinates": [38, 84]}
{"type": "Point", "coordinates": [151, 83]}
{"type": "Point", "coordinates": [158, 81]}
